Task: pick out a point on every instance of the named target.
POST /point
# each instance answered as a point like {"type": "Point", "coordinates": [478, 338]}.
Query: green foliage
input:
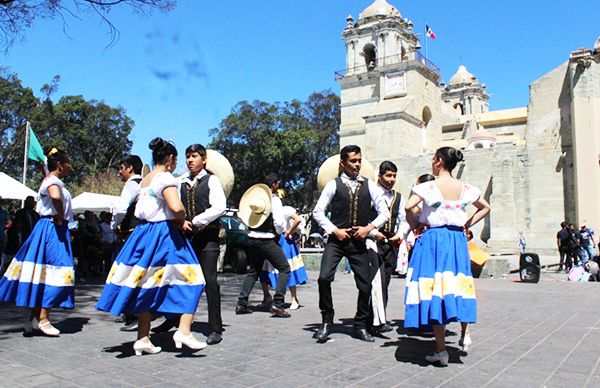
{"type": "Point", "coordinates": [291, 139]}
{"type": "Point", "coordinates": [94, 134]}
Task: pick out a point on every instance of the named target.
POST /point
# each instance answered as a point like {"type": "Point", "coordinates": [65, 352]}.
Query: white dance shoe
{"type": "Point", "coordinates": [295, 305]}
{"type": "Point", "coordinates": [465, 342]}
{"type": "Point", "coordinates": [441, 357]}
{"type": "Point", "coordinates": [190, 341]}
{"type": "Point", "coordinates": [46, 328]}
{"type": "Point", "coordinates": [141, 347]}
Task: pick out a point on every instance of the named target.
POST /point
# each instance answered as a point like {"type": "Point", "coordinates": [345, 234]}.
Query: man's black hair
{"type": "Point", "coordinates": [387, 166]}
{"type": "Point", "coordinates": [347, 150]}
{"type": "Point", "coordinates": [199, 148]}
{"type": "Point", "coordinates": [135, 162]}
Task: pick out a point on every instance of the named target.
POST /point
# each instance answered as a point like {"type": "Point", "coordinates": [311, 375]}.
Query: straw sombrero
{"type": "Point", "coordinates": [330, 169]}
{"type": "Point", "coordinates": [218, 165]}
{"type": "Point", "coordinates": [255, 205]}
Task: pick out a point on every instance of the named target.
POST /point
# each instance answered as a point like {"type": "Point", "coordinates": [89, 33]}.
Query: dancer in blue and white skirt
{"type": "Point", "coordinates": [41, 275]}
{"type": "Point", "coordinates": [157, 269]}
{"type": "Point", "coordinates": [439, 284]}
{"type": "Point", "coordinates": [288, 244]}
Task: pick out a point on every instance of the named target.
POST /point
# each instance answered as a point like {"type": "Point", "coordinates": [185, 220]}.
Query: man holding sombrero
{"type": "Point", "coordinates": [203, 196]}
{"type": "Point", "coordinates": [350, 198]}
{"type": "Point", "coordinates": [262, 211]}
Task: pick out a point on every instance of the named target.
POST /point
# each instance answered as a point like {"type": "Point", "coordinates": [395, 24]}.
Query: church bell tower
{"type": "Point", "coordinates": [390, 99]}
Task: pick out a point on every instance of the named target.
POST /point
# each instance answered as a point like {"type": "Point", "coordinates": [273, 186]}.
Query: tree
{"type": "Point", "coordinates": [19, 15]}
{"type": "Point", "coordinates": [93, 133]}
{"type": "Point", "coordinates": [291, 139]}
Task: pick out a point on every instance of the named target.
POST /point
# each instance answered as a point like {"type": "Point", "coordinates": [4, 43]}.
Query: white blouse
{"type": "Point", "coordinates": [438, 211]}
{"type": "Point", "coordinates": [45, 207]}
{"type": "Point", "coordinates": [151, 205]}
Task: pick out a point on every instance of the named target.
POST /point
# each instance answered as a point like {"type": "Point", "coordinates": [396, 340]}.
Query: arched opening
{"type": "Point", "coordinates": [460, 109]}
{"type": "Point", "coordinates": [370, 54]}
{"type": "Point", "coordinates": [426, 115]}
{"type": "Point", "coordinates": [478, 145]}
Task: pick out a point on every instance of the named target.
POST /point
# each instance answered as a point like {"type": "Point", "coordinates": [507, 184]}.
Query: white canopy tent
{"type": "Point", "coordinates": [11, 188]}
{"type": "Point", "coordinates": [94, 202]}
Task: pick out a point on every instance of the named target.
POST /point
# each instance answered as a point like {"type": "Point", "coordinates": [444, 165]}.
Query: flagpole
{"type": "Point", "coordinates": [25, 151]}
{"type": "Point", "coordinates": [426, 43]}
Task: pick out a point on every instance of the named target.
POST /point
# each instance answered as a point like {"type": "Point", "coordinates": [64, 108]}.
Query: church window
{"type": "Point", "coordinates": [478, 145]}
{"type": "Point", "coordinates": [370, 54]}
{"type": "Point", "coordinates": [459, 108]}
{"type": "Point", "coordinates": [426, 115]}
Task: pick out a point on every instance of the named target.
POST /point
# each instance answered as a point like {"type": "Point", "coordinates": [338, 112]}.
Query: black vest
{"type": "Point", "coordinates": [195, 199]}
{"type": "Point", "coordinates": [389, 228]}
{"type": "Point", "coordinates": [130, 221]}
{"type": "Point", "coordinates": [350, 209]}
{"type": "Point", "coordinates": [267, 226]}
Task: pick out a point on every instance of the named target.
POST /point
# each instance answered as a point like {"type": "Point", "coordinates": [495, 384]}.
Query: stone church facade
{"type": "Point", "coordinates": [537, 165]}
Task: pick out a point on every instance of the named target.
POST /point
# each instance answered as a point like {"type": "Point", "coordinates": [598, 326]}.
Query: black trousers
{"type": "Point", "coordinates": [260, 250]}
{"type": "Point", "coordinates": [389, 258]}
{"type": "Point", "coordinates": [360, 261]}
{"type": "Point", "coordinates": [208, 255]}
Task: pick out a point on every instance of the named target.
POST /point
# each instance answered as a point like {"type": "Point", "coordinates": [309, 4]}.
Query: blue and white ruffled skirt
{"type": "Point", "coordinates": [41, 274]}
{"type": "Point", "coordinates": [298, 273]}
{"type": "Point", "coordinates": [439, 283]}
{"type": "Point", "coordinates": [156, 270]}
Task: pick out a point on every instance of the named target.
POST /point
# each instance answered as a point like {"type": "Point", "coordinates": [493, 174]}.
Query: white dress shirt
{"type": "Point", "coordinates": [402, 226]}
{"type": "Point", "coordinates": [278, 220]}
{"type": "Point", "coordinates": [328, 193]}
{"type": "Point", "coordinates": [129, 193]}
{"type": "Point", "coordinates": [216, 198]}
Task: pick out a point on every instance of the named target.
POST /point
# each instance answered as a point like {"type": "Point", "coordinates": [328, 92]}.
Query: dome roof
{"type": "Point", "coordinates": [462, 76]}
{"type": "Point", "coordinates": [379, 8]}
{"type": "Point", "coordinates": [597, 44]}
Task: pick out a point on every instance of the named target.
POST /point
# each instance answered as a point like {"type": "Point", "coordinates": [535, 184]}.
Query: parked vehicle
{"type": "Point", "coordinates": [236, 242]}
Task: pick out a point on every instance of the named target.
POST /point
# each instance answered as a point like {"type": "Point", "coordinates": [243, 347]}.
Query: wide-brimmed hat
{"type": "Point", "coordinates": [218, 165]}
{"type": "Point", "coordinates": [331, 169]}
{"type": "Point", "coordinates": [255, 205]}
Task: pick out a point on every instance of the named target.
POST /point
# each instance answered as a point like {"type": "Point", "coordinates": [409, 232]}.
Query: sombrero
{"type": "Point", "coordinates": [255, 205]}
{"type": "Point", "coordinates": [330, 169]}
{"type": "Point", "coordinates": [218, 165]}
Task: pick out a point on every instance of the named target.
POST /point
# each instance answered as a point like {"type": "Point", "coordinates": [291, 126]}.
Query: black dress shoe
{"type": "Point", "coordinates": [121, 319]}
{"type": "Point", "coordinates": [279, 312]}
{"type": "Point", "coordinates": [242, 310]}
{"type": "Point", "coordinates": [214, 338]}
{"type": "Point", "coordinates": [362, 335]}
{"type": "Point", "coordinates": [131, 326]}
{"type": "Point", "coordinates": [385, 328]}
{"type": "Point", "coordinates": [167, 325]}
{"type": "Point", "coordinates": [323, 333]}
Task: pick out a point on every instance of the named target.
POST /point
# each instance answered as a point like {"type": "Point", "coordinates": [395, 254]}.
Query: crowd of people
{"type": "Point", "coordinates": [170, 232]}
{"type": "Point", "coordinates": [576, 251]}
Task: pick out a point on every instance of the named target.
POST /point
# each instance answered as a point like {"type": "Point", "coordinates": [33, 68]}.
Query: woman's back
{"type": "Point", "coordinates": [151, 205]}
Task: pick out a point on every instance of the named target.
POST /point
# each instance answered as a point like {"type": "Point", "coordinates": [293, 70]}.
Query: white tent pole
{"type": "Point", "coordinates": [25, 152]}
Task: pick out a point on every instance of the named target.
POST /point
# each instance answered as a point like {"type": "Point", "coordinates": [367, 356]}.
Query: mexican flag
{"type": "Point", "coordinates": [429, 32]}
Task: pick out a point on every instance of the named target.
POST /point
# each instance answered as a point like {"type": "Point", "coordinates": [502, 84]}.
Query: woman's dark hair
{"type": "Point", "coordinates": [425, 178]}
{"type": "Point", "coordinates": [199, 148]}
{"type": "Point", "coordinates": [450, 156]}
{"type": "Point", "coordinates": [135, 162]}
{"type": "Point", "coordinates": [387, 166]}
{"type": "Point", "coordinates": [55, 156]}
{"type": "Point", "coordinates": [271, 178]}
{"type": "Point", "coordinates": [161, 150]}
{"type": "Point", "coordinates": [347, 150]}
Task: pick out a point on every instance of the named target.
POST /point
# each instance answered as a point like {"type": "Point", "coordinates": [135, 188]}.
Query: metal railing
{"type": "Point", "coordinates": [387, 61]}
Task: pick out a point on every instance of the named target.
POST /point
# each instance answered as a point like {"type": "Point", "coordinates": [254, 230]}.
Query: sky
{"type": "Point", "coordinates": [178, 74]}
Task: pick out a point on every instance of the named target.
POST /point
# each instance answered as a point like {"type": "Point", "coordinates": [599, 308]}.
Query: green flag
{"type": "Point", "coordinates": [35, 151]}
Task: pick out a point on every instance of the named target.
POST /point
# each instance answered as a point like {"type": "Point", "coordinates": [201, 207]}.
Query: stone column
{"type": "Point", "coordinates": [585, 129]}
{"type": "Point", "coordinates": [503, 220]}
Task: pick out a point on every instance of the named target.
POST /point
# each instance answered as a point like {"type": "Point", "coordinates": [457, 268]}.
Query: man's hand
{"type": "Point", "coordinates": [379, 236]}
{"type": "Point", "coordinates": [395, 238]}
{"type": "Point", "coordinates": [341, 234]}
{"type": "Point", "coordinates": [361, 232]}
{"type": "Point", "coordinates": [187, 227]}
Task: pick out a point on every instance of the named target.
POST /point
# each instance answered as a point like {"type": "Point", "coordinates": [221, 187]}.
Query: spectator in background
{"type": "Point", "coordinates": [3, 221]}
{"type": "Point", "coordinates": [108, 240]}
{"type": "Point", "coordinates": [586, 241]}
{"type": "Point", "coordinates": [28, 217]}
{"type": "Point", "coordinates": [576, 244]}
{"type": "Point", "coordinates": [522, 242]}
{"type": "Point", "coordinates": [564, 246]}
{"type": "Point", "coordinates": [91, 240]}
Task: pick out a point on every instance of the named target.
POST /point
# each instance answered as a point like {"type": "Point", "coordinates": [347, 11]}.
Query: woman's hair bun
{"type": "Point", "coordinates": [459, 155]}
{"type": "Point", "coordinates": [157, 143]}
